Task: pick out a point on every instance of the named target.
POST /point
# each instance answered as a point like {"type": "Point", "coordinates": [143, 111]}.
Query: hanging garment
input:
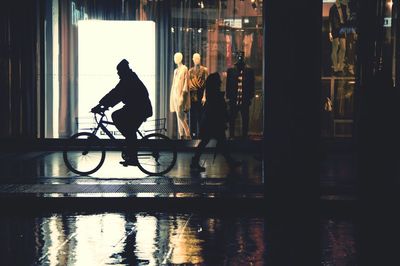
{"type": "Point", "coordinates": [179, 97]}
{"type": "Point", "coordinates": [247, 44]}
{"type": "Point", "coordinates": [180, 100]}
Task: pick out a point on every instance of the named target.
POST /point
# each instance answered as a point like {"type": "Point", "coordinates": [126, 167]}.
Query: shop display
{"type": "Point", "coordinates": [211, 33]}
{"type": "Point", "coordinates": [247, 44]}
{"type": "Point", "coordinates": [179, 97]}
{"type": "Point", "coordinates": [338, 68]}
{"type": "Point", "coordinates": [339, 14]}
{"type": "Point", "coordinates": [196, 83]}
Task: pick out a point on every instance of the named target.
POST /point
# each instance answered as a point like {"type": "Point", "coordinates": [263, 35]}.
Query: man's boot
{"type": "Point", "coordinates": [195, 166]}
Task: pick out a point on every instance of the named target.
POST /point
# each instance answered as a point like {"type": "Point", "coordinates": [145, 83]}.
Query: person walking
{"type": "Point", "coordinates": [213, 123]}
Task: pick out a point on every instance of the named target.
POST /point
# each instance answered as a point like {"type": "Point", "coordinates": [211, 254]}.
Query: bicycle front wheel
{"type": "Point", "coordinates": [84, 153]}
{"type": "Point", "coordinates": [156, 154]}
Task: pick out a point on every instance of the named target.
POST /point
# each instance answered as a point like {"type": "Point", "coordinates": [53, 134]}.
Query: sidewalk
{"type": "Point", "coordinates": [41, 179]}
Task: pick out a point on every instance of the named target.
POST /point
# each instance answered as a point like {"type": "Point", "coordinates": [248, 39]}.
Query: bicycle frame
{"type": "Point", "coordinates": [149, 147]}
{"type": "Point", "coordinates": [102, 124]}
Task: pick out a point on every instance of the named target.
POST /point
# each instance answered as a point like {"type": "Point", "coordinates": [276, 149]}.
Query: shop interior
{"type": "Point", "coordinates": [85, 40]}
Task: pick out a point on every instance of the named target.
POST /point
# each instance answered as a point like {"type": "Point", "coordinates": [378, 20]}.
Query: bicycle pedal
{"type": "Point", "coordinates": [124, 164]}
{"type": "Point", "coordinates": [129, 163]}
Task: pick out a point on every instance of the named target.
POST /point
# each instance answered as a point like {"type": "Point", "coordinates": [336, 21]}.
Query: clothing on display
{"type": "Point", "coordinates": [196, 82]}
{"type": "Point", "coordinates": [253, 49]}
{"type": "Point", "coordinates": [179, 97]}
{"type": "Point", "coordinates": [351, 37]}
{"type": "Point", "coordinates": [343, 99]}
{"type": "Point", "coordinates": [240, 89]}
{"type": "Point", "coordinates": [248, 43]}
{"type": "Point", "coordinates": [338, 19]}
{"type": "Point", "coordinates": [228, 40]}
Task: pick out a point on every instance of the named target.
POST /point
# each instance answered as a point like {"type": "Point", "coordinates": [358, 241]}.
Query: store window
{"type": "Point", "coordinates": [339, 62]}
{"type": "Point", "coordinates": [341, 74]}
{"type": "Point", "coordinates": [205, 36]}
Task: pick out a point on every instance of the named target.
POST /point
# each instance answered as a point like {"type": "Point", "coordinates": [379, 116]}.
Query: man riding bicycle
{"type": "Point", "coordinates": [133, 93]}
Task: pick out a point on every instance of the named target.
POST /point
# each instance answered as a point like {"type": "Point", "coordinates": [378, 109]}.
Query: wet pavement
{"type": "Point", "coordinates": [34, 172]}
{"type": "Point", "coordinates": [45, 173]}
{"type": "Point", "coordinates": [338, 242]}
{"type": "Point", "coordinates": [156, 228]}
{"type": "Point", "coordinates": [146, 238]}
{"type": "Point", "coordinates": [338, 174]}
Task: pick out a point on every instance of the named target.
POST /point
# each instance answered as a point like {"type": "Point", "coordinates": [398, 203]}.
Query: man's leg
{"type": "Point", "coordinates": [194, 118]}
{"type": "Point", "coordinates": [131, 140]}
{"type": "Point", "coordinates": [233, 110]}
{"type": "Point", "coordinates": [334, 54]}
{"type": "Point", "coordinates": [350, 50]}
{"type": "Point", "coordinates": [196, 158]}
{"type": "Point", "coordinates": [223, 149]}
{"type": "Point", "coordinates": [124, 121]}
{"type": "Point", "coordinates": [244, 111]}
{"type": "Point", "coordinates": [342, 53]}
{"type": "Point", "coordinates": [118, 118]}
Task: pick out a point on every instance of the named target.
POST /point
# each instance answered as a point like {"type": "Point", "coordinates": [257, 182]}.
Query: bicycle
{"type": "Point", "coordinates": [85, 153]}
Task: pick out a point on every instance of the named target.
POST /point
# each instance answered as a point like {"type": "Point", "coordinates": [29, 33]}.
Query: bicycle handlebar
{"type": "Point", "coordinates": [98, 110]}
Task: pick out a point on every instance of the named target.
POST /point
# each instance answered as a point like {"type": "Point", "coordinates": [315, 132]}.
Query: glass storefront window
{"type": "Point", "coordinates": [339, 61]}
{"type": "Point", "coordinates": [210, 34]}
{"type": "Point", "coordinates": [341, 46]}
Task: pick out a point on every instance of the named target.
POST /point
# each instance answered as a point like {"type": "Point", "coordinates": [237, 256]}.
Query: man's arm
{"type": "Point", "coordinates": [330, 23]}
{"type": "Point", "coordinates": [113, 97]}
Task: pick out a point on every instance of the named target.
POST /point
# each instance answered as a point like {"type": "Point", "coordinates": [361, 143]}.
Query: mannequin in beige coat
{"type": "Point", "coordinates": [179, 98]}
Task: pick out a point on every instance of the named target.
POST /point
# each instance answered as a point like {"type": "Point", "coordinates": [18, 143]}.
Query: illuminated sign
{"type": "Point", "coordinates": [233, 23]}
{"type": "Point", "coordinates": [387, 22]}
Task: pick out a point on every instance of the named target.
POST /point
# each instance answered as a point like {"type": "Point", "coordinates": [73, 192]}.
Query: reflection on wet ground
{"type": "Point", "coordinates": [338, 175]}
{"type": "Point", "coordinates": [338, 243]}
{"type": "Point", "coordinates": [145, 238]}
{"type": "Point", "coordinates": [132, 239]}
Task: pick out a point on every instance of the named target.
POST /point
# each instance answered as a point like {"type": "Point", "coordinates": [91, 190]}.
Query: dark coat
{"type": "Point", "coordinates": [215, 117]}
{"type": "Point", "coordinates": [232, 85]}
{"type": "Point", "coordinates": [133, 93]}
{"type": "Point", "coordinates": [334, 20]}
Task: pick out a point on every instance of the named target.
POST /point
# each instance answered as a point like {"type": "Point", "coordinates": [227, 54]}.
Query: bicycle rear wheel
{"type": "Point", "coordinates": [156, 154]}
{"type": "Point", "coordinates": [84, 154]}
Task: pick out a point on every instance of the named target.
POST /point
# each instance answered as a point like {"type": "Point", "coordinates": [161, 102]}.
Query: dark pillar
{"type": "Point", "coordinates": [377, 135]}
{"type": "Point", "coordinates": [292, 103]}
{"type": "Point", "coordinates": [20, 72]}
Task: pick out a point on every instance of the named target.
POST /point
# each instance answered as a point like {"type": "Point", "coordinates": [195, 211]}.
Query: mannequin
{"type": "Point", "coordinates": [239, 92]}
{"type": "Point", "coordinates": [338, 17]}
{"type": "Point", "coordinates": [351, 36]}
{"type": "Point", "coordinates": [179, 98]}
{"type": "Point", "coordinates": [196, 82]}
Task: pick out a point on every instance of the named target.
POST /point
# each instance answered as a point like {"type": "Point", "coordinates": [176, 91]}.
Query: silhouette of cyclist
{"type": "Point", "coordinates": [133, 93]}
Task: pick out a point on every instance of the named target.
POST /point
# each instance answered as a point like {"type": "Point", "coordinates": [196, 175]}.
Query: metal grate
{"type": "Point", "coordinates": [129, 189]}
